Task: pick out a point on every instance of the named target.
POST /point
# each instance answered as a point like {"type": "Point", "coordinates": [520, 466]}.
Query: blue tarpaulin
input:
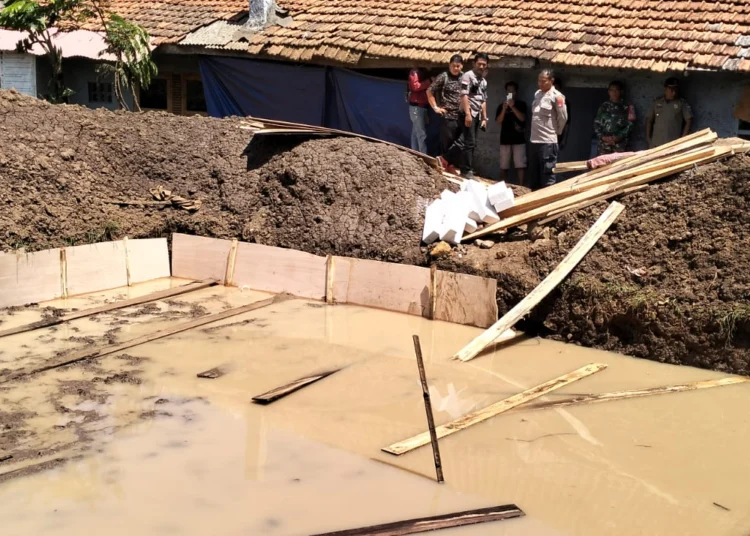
{"type": "Point", "coordinates": [367, 105]}
{"type": "Point", "coordinates": [284, 92]}
{"type": "Point", "coordinates": [335, 98]}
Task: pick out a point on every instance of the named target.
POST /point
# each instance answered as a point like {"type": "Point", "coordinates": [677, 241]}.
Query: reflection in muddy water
{"type": "Point", "coordinates": [150, 448]}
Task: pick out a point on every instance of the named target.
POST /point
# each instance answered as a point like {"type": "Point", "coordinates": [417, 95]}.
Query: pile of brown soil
{"type": "Point", "coordinates": [60, 165]}
{"type": "Point", "coordinates": [667, 282]}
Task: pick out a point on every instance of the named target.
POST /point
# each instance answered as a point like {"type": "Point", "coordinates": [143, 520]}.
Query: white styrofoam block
{"type": "Point", "coordinates": [471, 226]}
{"type": "Point", "coordinates": [503, 201]}
{"type": "Point", "coordinates": [455, 212]}
{"type": "Point", "coordinates": [433, 221]}
{"type": "Point", "coordinates": [497, 192]}
{"type": "Point", "coordinates": [478, 204]}
{"type": "Point", "coordinates": [490, 215]}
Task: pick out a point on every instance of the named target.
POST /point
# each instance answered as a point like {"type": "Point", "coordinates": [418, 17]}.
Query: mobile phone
{"type": "Point", "coordinates": [509, 96]}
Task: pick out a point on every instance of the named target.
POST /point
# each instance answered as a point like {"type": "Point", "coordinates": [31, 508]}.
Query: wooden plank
{"type": "Point", "coordinates": [393, 287]}
{"type": "Point", "coordinates": [279, 270]}
{"type": "Point", "coordinates": [154, 296]}
{"type": "Point", "coordinates": [622, 169]}
{"type": "Point", "coordinates": [330, 271]}
{"type": "Point", "coordinates": [280, 392]}
{"type": "Point", "coordinates": [197, 257]}
{"type": "Point", "coordinates": [476, 417]}
{"type": "Point", "coordinates": [96, 267]}
{"type": "Point", "coordinates": [212, 374]}
{"type": "Point", "coordinates": [231, 263]}
{"type": "Point", "coordinates": [148, 259]}
{"type": "Point", "coordinates": [87, 354]}
{"type": "Point", "coordinates": [428, 410]}
{"type": "Point", "coordinates": [30, 277]}
{"type": "Point", "coordinates": [426, 524]}
{"type": "Point", "coordinates": [566, 167]}
{"type": "Point", "coordinates": [637, 393]}
{"type": "Point", "coordinates": [466, 299]}
{"type": "Point", "coordinates": [603, 191]}
{"type": "Point", "coordinates": [549, 283]}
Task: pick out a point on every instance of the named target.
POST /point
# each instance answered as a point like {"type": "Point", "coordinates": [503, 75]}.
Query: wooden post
{"type": "Point", "coordinates": [433, 291]}
{"type": "Point", "coordinates": [231, 261]}
{"type": "Point", "coordinates": [329, 279]}
{"type": "Point", "coordinates": [428, 410]}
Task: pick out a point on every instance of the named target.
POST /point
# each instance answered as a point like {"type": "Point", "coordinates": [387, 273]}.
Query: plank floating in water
{"type": "Point", "coordinates": [579, 251]}
{"type": "Point", "coordinates": [637, 393]}
{"type": "Point", "coordinates": [85, 355]}
{"type": "Point", "coordinates": [154, 296]}
{"type": "Point", "coordinates": [425, 524]}
{"type": "Point", "coordinates": [280, 392]}
{"type": "Point", "coordinates": [407, 445]}
{"type": "Point", "coordinates": [212, 374]}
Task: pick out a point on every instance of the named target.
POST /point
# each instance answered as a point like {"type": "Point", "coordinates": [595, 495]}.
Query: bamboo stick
{"type": "Point", "coordinates": [428, 410]}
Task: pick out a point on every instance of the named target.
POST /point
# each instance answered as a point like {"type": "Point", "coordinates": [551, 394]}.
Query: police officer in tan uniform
{"type": "Point", "coordinates": [549, 115]}
{"type": "Point", "coordinates": [670, 117]}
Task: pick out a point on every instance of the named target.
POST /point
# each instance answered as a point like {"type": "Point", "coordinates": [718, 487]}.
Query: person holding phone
{"type": "Point", "coordinates": [511, 116]}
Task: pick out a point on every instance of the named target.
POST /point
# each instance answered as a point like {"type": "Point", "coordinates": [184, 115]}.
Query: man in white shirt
{"type": "Point", "coordinates": [549, 114]}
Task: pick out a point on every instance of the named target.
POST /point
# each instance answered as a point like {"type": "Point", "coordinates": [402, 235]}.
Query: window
{"type": "Point", "coordinates": [156, 96]}
{"type": "Point", "coordinates": [100, 92]}
{"type": "Point", "coordinates": [195, 100]}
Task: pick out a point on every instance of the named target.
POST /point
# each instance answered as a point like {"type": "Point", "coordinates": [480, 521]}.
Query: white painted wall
{"type": "Point", "coordinates": [18, 71]}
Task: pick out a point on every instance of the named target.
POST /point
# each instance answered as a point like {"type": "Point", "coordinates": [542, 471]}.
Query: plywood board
{"type": "Point", "coordinates": [393, 287]}
{"type": "Point", "coordinates": [196, 257]}
{"type": "Point", "coordinates": [95, 267]}
{"type": "Point", "coordinates": [29, 277]}
{"type": "Point", "coordinates": [148, 259]}
{"type": "Point", "coordinates": [465, 299]}
{"type": "Point", "coordinates": [280, 270]}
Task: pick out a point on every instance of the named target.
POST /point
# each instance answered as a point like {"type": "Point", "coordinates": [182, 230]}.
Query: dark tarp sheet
{"type": "Point", "coordinates": [335, 98]}
{"type": "Point", "coordinates": [284, 92]}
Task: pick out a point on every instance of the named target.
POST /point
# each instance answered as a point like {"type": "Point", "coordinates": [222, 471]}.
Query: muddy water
{"type": "Point", "coordinates": [175, 454]}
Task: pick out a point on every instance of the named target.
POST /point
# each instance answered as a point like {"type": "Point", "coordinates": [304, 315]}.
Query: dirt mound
{"type": "Point", "coordinates": [669, 280]}
{"type": "Point", "coordinates": [61, 166]}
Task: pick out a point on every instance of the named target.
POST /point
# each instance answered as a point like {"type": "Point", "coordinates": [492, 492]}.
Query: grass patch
{"type": "Point", "coordinates": [728, 322]}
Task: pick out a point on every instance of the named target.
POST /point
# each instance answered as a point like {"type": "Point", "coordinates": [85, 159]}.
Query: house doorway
{"type": "Point", "coordinates": [583, 103]}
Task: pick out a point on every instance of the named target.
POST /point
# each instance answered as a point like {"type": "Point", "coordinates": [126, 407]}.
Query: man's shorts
{"type": "Point", "coordinates": [519, 156]}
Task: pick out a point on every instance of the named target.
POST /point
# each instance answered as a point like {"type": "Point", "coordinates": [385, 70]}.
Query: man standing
{"type": "Point", "coordinates": [670, 117]}
{"type": "Point", "coordinates": [614, 121]}
{"type": "Point", "coordinates": [549, 115]}
{"type": "Point", "coordinates": [419, 82]}
{"type": "Point", "coordinates": [511, 116]}
{"type": "Point", "coordinates": [472, 114]}
{"type": "Point", "coordinates": [444, 96]}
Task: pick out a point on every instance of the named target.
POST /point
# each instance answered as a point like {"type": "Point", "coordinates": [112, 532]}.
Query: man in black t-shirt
{"type": "Point", "coordinates": [511, 116]}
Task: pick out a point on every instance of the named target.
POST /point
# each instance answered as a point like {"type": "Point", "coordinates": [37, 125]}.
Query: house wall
{"type": "Point", "coordinates": [712, 96]}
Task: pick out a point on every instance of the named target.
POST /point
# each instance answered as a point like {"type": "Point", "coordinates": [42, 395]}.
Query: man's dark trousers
{"type": "Point", "coordinates": [542, 160]}
{"type": "Point", "coordinates": [463, 147]}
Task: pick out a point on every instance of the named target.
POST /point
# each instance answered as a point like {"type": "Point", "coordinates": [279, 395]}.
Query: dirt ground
{"type": "Point", "coordinates": [667, 282]}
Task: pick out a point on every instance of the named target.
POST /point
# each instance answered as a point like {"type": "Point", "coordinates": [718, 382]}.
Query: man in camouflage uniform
{"type": "Point", "coordinates": [614, 122]}
{"type": "Point", "coordinates": [670, 118]}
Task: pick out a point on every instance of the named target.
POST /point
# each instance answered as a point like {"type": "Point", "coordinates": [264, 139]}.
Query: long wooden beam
{"type": "Point", "coordinates": [407, 445]}
{"type": "Point", "coordinates": [579, 251]}
{"type": "Point", "coordinates": [637, 393]}
{"type": "Point", "coordinates": [603, 191]}
{"type": "Point", "coordinates": [426, 524]}
{"type": "Point", "coordinates": [87, 354]}
{"type": "Point", "coordinates": [280, 392]}
{"type": "Point", "coordinates": [154, 296]}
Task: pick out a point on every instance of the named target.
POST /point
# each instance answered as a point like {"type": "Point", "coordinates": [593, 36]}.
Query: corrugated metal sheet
{"type": "Point", "coordinates": [219, 33]}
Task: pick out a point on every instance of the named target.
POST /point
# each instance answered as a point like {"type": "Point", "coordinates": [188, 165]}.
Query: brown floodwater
{"type": "Point", "coordinates": [164, 452]}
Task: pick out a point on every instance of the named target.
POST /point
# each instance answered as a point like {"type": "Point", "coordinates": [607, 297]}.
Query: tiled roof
{"type": "Point", "coordinates": [169, 21]}
{"type": "Point", "coordinates": [635, 34]}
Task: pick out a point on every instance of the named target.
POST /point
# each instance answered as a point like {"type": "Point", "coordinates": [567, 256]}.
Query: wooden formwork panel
{"type": "Point", "coordinates": [95, 267]}
{"type": "Point", "coordinates": [196, 257]}
{"type": "Point", "coordinates": [30, 277]}
{"type": "Point", "coordinates": [394, 287]}
{"type": "Point", "coordinates": [279, 270]}
{"type": "Point", "coordinates": [465, 299]}
{"type": "Point", "coordinates": [148, 259]}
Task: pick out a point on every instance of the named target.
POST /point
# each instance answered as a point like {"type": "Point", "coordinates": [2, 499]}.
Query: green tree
{"type": "Point", "coordinates": [130, 45]}
{"type": "Point", "coordinates": [40, 21]}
